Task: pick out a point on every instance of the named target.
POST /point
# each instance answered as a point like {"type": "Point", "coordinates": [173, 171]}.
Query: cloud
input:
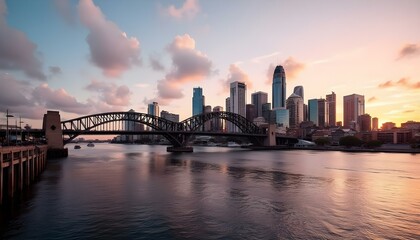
{"type": "Point", "coordinates": [409, 111]}
{"type": "Point", "coordinates": [188, 65]}
{"type": "Point", "coordinates": [372, 99]}
{"type": "Point", "coordinates": [409, 50]}
{"type": "Point", "coordinates": [402, 82]}
{"type": "Point", "coordinates": [110, 93]}
{"type": "Point", "coordinates": [66, 11]}
{"type": "Point", "coordinates": [58, 99]}
{"type": "Point", "coordinates": [17, 52]}
{"type": "Point", "coordinates": [291, 67]}
{"type": "Point", "coordinates": [55, 70]}
{"type": "Point", "coordinates": [28, 102]}
{"type": "Point", "coordinates": [110, 48]}
{"type": "Point", "coordinates": [155, 63]}
{"type": "Point", "coordinates": [189, 9]}
{"type": "Point", "coordinates": [235, 75]}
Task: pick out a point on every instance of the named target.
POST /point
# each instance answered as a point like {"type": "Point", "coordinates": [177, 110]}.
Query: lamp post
{"type": "Point", "coordinates": [20, 128]}
{"type": "Point", "coordinates": [7, 125]}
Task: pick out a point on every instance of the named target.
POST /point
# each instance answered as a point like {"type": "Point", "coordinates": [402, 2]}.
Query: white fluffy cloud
{"type": "Point", "coordinates": [110, 48]}
{"type": "Point", "coordinates": [17, 52]}
{"type": "Point", "coordinates": [236, 75]}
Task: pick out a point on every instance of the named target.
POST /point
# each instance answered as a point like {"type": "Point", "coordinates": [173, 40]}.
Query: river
{"type": "Point", "coordinates": [114, 191]}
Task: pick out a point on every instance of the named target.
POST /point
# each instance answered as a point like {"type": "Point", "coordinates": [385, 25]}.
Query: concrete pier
{"type": "Point", "coordinates": [19, 166]}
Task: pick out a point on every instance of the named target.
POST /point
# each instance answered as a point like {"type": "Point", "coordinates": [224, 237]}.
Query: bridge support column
{"type": "Point", "coordinates": [54, 135]}
{"type": "Point", "coordinates": [271, 135]}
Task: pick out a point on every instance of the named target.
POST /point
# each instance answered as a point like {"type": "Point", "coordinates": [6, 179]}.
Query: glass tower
{"type": "Point", "coordinates": [279, 88]}
{"type": "Point", "coordinates": [197, 101]}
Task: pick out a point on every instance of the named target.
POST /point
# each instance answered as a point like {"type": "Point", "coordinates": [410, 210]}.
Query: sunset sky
{"type": "Point", "coordinates": [85, 57]}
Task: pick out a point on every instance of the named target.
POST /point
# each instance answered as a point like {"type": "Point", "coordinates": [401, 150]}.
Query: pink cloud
{"type": "Point", "coordinates": [17, 52]}
{"type": "Point", "coordinates": [372, 99]}
{"type": "Point", "coordinates": [188, 65]}
{"type": "Point", "coordinates": [110, 48]}
{"type": "Point", "coordinates": [292, 69]}
{"type": "Point", "coordinates": [236, 75]}
{"type": "Point", "coordinates": [409, 50]}
{"type": "Point", "coordinates": [111, 93]}
{"type": "Point", "coordinates": [402, 82]}
{"type": "Point", "coordinates": [189, 9]}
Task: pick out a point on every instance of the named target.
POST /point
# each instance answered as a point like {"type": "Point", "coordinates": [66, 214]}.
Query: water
{"type": "Point", "coordinates": [143, 192]}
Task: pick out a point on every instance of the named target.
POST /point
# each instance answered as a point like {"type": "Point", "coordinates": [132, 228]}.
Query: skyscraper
{"type": "Point", "coordinates": [153, 109]}
{"type": "Point", "coordinates": [295, 106]}
{"type": "Point", "coordinates": [197, 101]}
{"type": "Point", "coordinates": [228, 125]}
{"type": "Point", "coordinates": [238, 99]}
{"type": "Point", "coordinates": [298, 90]}
{"type": "Point", "coordinates": [375, 124]}
{"type": "Point", "coordinates": [364, 123]}
{"type": "Point", "coordinates": [323, 113]}
{"type": "Point", "coordinates": [217, 123]}
{"type": "Point", "coordinates": [279, 88]}
{"type": "Point", "coordinates": [354, 106]}
{"type": "Point", "coordinates": [331, 100]}
{"type": "Point", "coordinates": [250, 112]}
{"type": "Point", "coordinates": [207, 124]}
{"type": "Point", "coordinates": [313, 111]}
{"type": "Point", "coordinates": [258, 99]}
{"type": "Point", "coordinates": [279, 97]}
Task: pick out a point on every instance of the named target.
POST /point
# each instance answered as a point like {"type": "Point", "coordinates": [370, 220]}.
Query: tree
{"type": "Point", "coordinates": [373, 144]}
{"type": "Point", "coordinates": [322, 141]}
{"type": "Point", "coordinates": [350, 141]}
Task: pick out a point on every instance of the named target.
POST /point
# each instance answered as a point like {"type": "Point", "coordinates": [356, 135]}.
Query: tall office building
{"type": "Point", "coordinates": [298, 90]}
{"type": "Point", "coordinates": [313, 111]}
{"type": "Point", "coordinates": [354, 106]}
{"type": "Point", "coordinates": [331, 100]}
{"type": "Point", "coordinates": [197, 101]}
{"type": "Point", "coordinates": [279, 88]}
{"type": "Point", "coordinates": [208, 124]}
{"type": "Point", "coordinates": [228, 125]}
{"type": "Point", "coordinates": [217, 123]}
{"type": "Point", "coordinates": [323, 113]}
{"type": "Point", "coordinates": [279, 97]}
{"type": "Point", "coordinates": [169, 116]}
{"type": "Point", "coordinates": [364, 123]}
{"type": "Point", "coordinates": [295, 106]}
{"type": "Point", "coordinates": [267, 113]}
{"type": "Point", "coordinates": [237, 100]}
{"type": "Point", "coordinates": [153, 109]}
{"type": "Point", "coordinates": [251, 113]}
{"type": "Point", "coordinates": [375, 124]}
{"type": "Point", "coordinates": [258, 99]}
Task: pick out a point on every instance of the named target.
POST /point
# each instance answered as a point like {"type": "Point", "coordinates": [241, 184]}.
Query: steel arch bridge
{"type": "Point", "coordinates": [177, 133]}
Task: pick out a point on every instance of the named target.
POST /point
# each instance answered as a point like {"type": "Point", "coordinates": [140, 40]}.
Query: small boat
{"type": "Point", "coordinates": [233, 144]}
{"type": "Point", "coordinates": [77, 147]}
{"type": "Point", "coordinates": [91, 144]}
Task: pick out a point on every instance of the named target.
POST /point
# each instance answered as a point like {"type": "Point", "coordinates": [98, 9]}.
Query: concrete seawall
{"type": "Point", "coordinates": [19, 167]}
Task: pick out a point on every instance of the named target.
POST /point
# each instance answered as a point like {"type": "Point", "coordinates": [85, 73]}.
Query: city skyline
{"type": "Point", "coordinates": [53, 54]}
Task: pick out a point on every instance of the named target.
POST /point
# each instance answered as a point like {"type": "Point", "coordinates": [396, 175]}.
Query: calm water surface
{"type": "Point", "coordinates": [143, 192]}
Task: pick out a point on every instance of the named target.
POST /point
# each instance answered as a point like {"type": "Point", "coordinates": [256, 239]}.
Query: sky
{"type": "Point", "coordinates": [86, 57]}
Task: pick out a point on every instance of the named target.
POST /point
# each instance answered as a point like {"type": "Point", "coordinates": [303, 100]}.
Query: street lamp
{"type": "Point", "coordinates": [7, 125]}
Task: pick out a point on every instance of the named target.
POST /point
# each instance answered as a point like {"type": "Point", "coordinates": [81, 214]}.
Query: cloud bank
{"type": "Point", "coordinates": [291, 67]}
{"type": "Point", "coordinates": [17, 52]}
{"type": "Point", "coordinates": [402, 82]}
{"type": "Point", "coordinates": [236, 75]}
{"type": "Point", "coordinates": [110, 48]}
{"type": "Point", "coordinates": [409, 50]}
{"type": "Point", "coordinates": [110, 93]}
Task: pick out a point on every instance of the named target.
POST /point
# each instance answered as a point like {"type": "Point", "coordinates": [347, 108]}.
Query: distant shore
{"type": "Point", "coordinates": [342, 149]}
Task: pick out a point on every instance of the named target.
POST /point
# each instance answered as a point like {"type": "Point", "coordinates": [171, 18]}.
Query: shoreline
{"type": "Point", "coordinates": [373, 150]}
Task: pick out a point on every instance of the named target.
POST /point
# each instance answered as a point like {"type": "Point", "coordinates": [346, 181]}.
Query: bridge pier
{"type": "Point", "coordinates": [54, 134]}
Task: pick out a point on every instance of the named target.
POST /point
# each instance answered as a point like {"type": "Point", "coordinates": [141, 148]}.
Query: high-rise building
{"type": "Point", "coordinates": [279, 97]}
{"type": "Point", "coordinates": [375, 124]}
{"type": "Point", "coordinates": [250, 112]}
{"type": "Point", "coordinates": [228, 125]}
{"type": "Point", "coordinates": [295, 106]}
{"type": "Point", "coordinates": [365, 123]}
{"type": "Point", "coordinates": [298, 90]}
{"type": "Point", "coordinates": [388, 126]}
{"type": "Point", "coordinates": [323, 113]}
{"type": "Point", "coordinates": [331, 101]}
{"type": "Point", "coordinates": [153, 109]}
{"type": "Point", "coordinates": [313, 111]}
{"type": "Point", "coordinates": [197, 101]}
{"type": "Point", "coordinates": [169, 116]}
{"type": "Point", "coordinates": [208, 124]}
{"type": "Point", "coordinates": [267, 113]}
{"type": "Point", "coordinates": [279, 88]}
{"type": "Point", "coordinates": [354, 106]}
{"type": "Point", "coordinates": [258, 99]}
{"type": "Point", "coordinates": [217, 122]}
{"type": "Point", "coordinates": [238, 100]}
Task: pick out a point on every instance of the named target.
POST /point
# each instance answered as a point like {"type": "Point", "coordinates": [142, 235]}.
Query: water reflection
{"type": "Point", "coordinates": [135, 192]}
